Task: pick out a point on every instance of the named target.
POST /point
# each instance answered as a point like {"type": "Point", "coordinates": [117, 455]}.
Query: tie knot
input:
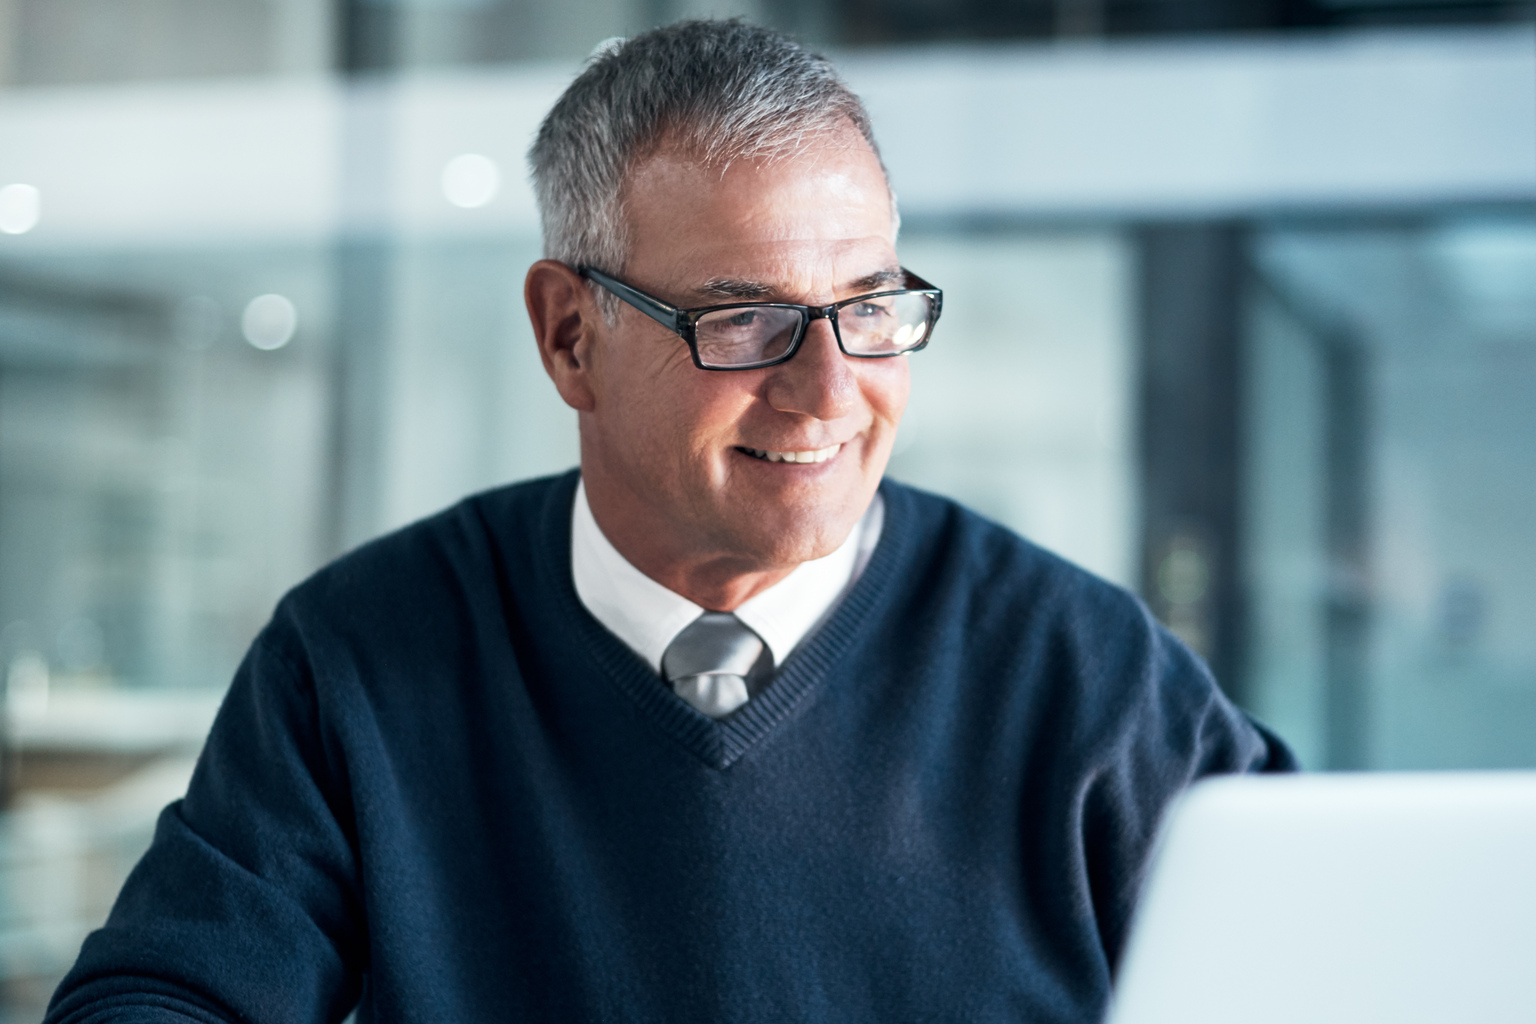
{"type": "Point", "coordinates": [709, 662]}
{"type": "Point", "coordinates": [712, 643]}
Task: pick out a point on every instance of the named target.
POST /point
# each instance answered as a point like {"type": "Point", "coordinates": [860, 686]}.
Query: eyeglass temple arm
{"type": "Point", "coordinates": [918, 284]}
{"type": "Point", "coordinates": [667, 316]}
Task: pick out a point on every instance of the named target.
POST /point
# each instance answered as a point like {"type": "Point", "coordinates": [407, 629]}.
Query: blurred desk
{"type": "Point", "coordinates": [114, 720]}
{"type": "Point", "coordinates": [92, 769]}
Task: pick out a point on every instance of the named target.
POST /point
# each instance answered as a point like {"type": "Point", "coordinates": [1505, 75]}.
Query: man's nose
{"type": "Point", "coordinates": [817, 381]}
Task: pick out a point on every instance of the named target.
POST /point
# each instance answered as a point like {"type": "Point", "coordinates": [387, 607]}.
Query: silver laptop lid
{"type": "Point", "coordinates": [1400, 898]}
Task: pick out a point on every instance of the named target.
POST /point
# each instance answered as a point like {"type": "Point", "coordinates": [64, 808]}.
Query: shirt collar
{"type": "Point", "coordinates": [647, 616]}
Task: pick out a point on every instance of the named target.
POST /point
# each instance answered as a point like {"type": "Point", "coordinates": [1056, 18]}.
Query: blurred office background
{"type": "Point", "coordinates": [1241, 313]}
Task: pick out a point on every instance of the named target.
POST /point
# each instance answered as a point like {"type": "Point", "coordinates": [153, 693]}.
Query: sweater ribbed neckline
{"type": "Point", "coordinates": [719, 743]}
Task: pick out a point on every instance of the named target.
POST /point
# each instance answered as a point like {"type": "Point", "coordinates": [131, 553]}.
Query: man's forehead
{"type": "Point", "coordinates": [807, 229]}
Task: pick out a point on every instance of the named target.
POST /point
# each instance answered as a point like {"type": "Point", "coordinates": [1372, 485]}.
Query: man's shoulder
{"type": "Point", "coordinates": [448, 557]}
{"type": "Point", "coordinates": [961, 548]}
{"type": "Point", "coordinates": [982, 595]}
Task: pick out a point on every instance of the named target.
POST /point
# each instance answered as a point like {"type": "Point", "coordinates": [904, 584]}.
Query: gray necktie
{"type": "Point", "coordinates": [709, 663]}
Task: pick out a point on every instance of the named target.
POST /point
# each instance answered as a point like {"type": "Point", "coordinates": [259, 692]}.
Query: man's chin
{"type": "Point", "coordinates": [785, 537]}
{"type": "Point", "coordinates": [776, 516]}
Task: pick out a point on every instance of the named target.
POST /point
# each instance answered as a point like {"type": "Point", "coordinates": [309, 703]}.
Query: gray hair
{"type": "Point", "coordinates": [722, 90]}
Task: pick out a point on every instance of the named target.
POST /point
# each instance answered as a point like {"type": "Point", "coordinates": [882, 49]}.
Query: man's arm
{"type": "Point", "coordinates": [246, 905]}
{"type": "Point", "coordinates": [1175, 727]}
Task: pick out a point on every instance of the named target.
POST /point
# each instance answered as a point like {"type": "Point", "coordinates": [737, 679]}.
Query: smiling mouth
{"type": "Point", "coordinates": [819, 455]}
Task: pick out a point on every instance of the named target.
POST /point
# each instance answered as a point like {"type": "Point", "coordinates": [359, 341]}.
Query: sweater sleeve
{"type": "Point", "coordinates": [245, 907]}
{"type": "Point", "coordinates": [1158, 723]}
{"type": "Point", "coordinates": [1172, 725]}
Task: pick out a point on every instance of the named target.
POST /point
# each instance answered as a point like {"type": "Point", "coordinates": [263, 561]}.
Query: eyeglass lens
{"type": "Point", "coordinates": [884, 325]}
{"type": "Point", "coordinates": [877, 326]}
{"type": "Point", "coordinates": [748, 334]}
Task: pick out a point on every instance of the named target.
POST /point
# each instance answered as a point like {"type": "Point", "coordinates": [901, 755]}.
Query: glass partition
{"type": "Point", "coordinates": [1391, 478]}
{"type": "Point", "coordinates": [1022, 406]}
{"type": "Point", "coordinates": [163, 478]}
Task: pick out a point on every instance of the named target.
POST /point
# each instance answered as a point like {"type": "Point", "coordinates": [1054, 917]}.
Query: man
{"type": "Point", "coordinates": [723, 729]}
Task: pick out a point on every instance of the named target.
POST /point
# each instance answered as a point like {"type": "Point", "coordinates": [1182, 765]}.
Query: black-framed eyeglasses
{"type": "Point", "coordinates": [751, 335]}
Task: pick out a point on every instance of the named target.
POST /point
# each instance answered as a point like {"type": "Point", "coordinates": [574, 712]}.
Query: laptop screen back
{"type": "Point", "coordinates": [1400, 898]}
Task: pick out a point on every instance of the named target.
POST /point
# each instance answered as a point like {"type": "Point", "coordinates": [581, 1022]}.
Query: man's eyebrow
{"type": "Point", "coordinates": [733, 288]}
{"type": "Point", "coordinates": [878, 280]}
{"type": "Point", "coordinates": [737, 289]}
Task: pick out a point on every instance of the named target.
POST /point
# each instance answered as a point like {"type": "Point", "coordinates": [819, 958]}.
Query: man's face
{"type": "Point", "coordinates": [675, 447]}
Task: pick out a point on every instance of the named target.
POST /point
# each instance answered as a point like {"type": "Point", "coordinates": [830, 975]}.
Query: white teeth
{"type": "Point", "coordinates": [819, 455]}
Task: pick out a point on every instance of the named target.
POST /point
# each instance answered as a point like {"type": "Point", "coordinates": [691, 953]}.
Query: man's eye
{"type": "Point", "coordinates": [744, 318]}
{"type": "Point", "coordinates": [866, 309]}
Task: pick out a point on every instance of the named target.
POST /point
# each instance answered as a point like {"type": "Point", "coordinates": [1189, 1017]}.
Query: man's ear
{"type": "Point", "coordinates": [565, 325]}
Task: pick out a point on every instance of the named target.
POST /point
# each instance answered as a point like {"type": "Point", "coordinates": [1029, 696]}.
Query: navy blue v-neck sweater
{"type": "Point", "coordinates": [439, 785]}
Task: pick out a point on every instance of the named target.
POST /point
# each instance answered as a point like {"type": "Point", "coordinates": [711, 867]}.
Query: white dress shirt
{"type": "Point", "coordinates": [647, 616]}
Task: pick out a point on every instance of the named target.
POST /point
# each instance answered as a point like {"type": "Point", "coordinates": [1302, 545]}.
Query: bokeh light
{"type": "Point", "coordinates": [269, 321]}
{"type": "Point", "coordinates": [20, 208]}
{"type": "Point", "coordinates": [471, 180]}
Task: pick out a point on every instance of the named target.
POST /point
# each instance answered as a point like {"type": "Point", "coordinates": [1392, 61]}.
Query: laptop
{"type": "Point", "coordinates": [1339, 899]}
